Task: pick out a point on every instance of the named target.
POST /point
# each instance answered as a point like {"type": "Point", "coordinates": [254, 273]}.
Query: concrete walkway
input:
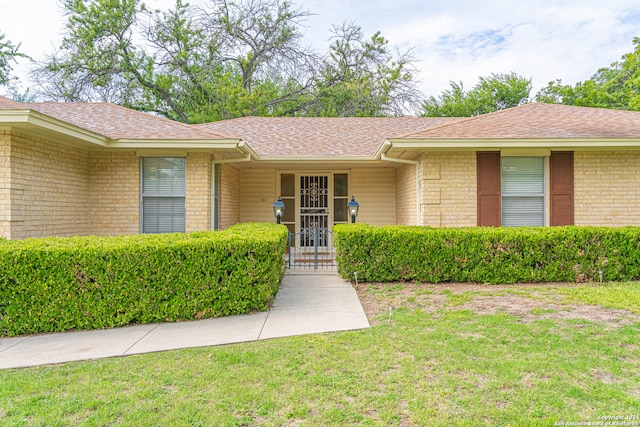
{"type": "Point", "coordinates": [307, 303]}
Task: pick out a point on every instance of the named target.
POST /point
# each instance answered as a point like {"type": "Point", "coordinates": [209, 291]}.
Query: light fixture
{"type": "Point", "coordinates": [353, 209]}
{"type": "Point", "coordinates": [278, 209]}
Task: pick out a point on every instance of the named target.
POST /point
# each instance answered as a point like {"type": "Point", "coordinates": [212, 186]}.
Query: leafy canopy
{"type": "Point", "coordinates": [229, 59]}
{"type": "Point", "coordinates": [9, 53]}
{"type": "Point", "coordinates": [615, 87]}
{"type": "Point", "coordinates": [492, 93]}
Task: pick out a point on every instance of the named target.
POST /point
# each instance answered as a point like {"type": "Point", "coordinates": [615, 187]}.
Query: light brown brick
{"type": "Point", "coordinates": [607, 188]}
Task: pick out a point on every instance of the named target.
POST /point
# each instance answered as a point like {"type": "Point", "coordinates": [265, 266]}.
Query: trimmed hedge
{"type": "Point", "coordinates": [60, 284]}
{"type": "Point", "coordinates": [487, 255]}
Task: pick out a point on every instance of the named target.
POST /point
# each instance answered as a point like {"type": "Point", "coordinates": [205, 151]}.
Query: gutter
{"type": "Point", "coordinates": [247, 158]}
{"type": "Point", "coordinates": [245, 149]}
{"type": "Point", "coordinates": [27, 119]}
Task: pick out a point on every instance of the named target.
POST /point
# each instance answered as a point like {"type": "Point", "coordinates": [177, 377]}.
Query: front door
{"type": "Point", "coordinates": [314, 209]}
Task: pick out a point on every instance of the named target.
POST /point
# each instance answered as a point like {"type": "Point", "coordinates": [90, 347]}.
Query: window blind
{"type": "Point", "coordinates": [163, 194]}
{"type": "Point", "coordinates": [163, 215]}
{"type": "Point", "coordinates": [162, 176]}
{"type": "Point", "coordinates": [523, 191]}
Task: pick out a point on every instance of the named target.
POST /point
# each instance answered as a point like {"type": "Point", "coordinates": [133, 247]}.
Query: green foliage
{"type": "Point", "coordinates": [488, 255]}
{"type": "Point", "coordinates": [492, 93]}
{"type": "Point", "coordinates": [223, 60]}
{"type": "Point", "coordinates": [59, 284]}
{"type": "Point", "coordinates": [616, 87]}
{"type": "Point", "coordinates": [8, 54]}
{"type": "Point", "coordinates": [362, 78]}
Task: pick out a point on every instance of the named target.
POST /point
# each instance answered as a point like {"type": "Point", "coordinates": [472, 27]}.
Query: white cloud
{"type": "Point", "coordinates": [456, 40]}
{"type": "Point", "coordinates": [538, 40]}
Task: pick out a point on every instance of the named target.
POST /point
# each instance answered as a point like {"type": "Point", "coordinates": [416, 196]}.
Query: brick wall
{"type": "Point", "coordinates": [5, 185]}
{"type": "Point", "coordinates": [448, 189]}
{"type": "Point", "coordinates": [198, 192]}
{"type": "Point", "coordinates": [406, 195]}
{"type": "Point", "coordinates": [114, 200]}
{"type": "Point", "coordinates": [229, 212]}
{"type": "Point", "coordinates": [49, 188]}
{"type": "Point", "coordinates": [607, 188]}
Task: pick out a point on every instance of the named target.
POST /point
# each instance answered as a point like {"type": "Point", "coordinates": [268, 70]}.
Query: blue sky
{"type": "Point", "coordinates": [453, 40]}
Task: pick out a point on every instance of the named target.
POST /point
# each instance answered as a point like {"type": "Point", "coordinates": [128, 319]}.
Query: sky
{"type": "Point", "coordinates": [453, 40]}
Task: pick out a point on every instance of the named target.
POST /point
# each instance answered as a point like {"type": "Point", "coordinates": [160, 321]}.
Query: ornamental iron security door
{"type": "Point", "coordinates": [313, 245]}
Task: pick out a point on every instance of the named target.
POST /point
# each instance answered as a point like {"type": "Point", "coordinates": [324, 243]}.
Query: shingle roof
{"type": "Point", "coordinates": [540, 121]}
{"type": "Point", "coordinates": [279, 137]}
{"type": "Point", "coordinates": [320, 136]}
{"type": "Point", "coordinates": [114, 121]}
{"type": "Point", "coordinates": [9, 104]}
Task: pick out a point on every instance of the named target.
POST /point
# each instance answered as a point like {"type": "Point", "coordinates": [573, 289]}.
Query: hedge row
{"type": "Point", "coordinates": [487, 255]}
{"type": "Point", "coordinates": [59, 284]}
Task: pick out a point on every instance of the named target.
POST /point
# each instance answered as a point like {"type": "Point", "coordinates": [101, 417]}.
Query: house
{"type": "Point", "coordinates": [101, 169]}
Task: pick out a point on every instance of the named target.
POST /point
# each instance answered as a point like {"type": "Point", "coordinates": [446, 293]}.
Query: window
{"type": "Point", "coordinates": [163, 194]}
{"type": "Point", "coordinates": [511, 190]}
{"type": "Point", "coordinates": [340, 198]}
{"type": "Point", "coordinates": [523, 191]}
{"type": "Point", "coordinates": [288, 195]}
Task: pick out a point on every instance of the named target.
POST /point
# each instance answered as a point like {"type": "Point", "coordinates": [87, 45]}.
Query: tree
{"type": "Point", "coordinates": [616, 87]}
{"type": "Point", "coordinates": [9, 53]}
{"type": "Point", "coordinates": [229, 59]}
{"type": "Point", "coordinates": [362, 77]}
{"type": "Point", "coordinates": [492, 93]}
{"type": "Point", "coordinates": [187, 64]}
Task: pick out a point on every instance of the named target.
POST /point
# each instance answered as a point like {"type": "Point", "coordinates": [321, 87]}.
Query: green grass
{"type": "Point", "coordinates": [610, 295]}
{"type": "Point", "coordinates": [539, 311]}
{"type": "Point", "coordinates": [449, 368]}
{"type": "Point", "coordinates": [457, 299]}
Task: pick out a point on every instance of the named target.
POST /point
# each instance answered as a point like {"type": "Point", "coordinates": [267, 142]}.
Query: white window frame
{"type": "Point", "coordinates": [176, 195]}
{"type": "Point", "coordinates": [527, 193]}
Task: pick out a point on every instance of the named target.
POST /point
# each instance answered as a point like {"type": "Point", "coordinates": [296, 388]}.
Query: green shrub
{"type": "Point", "coordinates": [59, 284]}
{"type": "Point", "coordinates": [487, 255]}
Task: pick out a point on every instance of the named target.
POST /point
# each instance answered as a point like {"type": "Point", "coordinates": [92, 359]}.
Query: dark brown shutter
{"type": "Point", "coordinates": [488, 165]}
{"type": "Point", "coordinates": [561, 183]}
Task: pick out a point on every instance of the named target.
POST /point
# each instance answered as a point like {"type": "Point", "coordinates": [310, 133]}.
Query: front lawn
{"type": "Point", "coordinates": [444, 355]}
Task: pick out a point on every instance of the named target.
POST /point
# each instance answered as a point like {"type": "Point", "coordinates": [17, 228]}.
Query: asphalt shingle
{"type": "Point", "coordinates": [281, 137]}
{"type": "Point", "coordinates": [320, 136]}
{"type": "Point", "coordinates": [114, 121]}
{"type": "Point", "coordinates": [540, 121]}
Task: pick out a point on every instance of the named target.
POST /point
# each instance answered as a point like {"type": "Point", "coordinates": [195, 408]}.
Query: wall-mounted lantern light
{"type": "Point", "coordinates": [278, 209]}
{"type": "Point", "coordinates": [353, 206]}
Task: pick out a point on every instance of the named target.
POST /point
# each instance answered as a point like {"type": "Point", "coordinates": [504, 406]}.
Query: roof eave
{"type": "Point", "coordinates": [27, 119]}
{"type": "Point", "coordinates": [188, 144]}
{"type": "Point", "coordinates": [317, 159]}
{"type": "Point", "coordinates": [488, 143]}
{"type": "Point", "coordinates": [246, 149]}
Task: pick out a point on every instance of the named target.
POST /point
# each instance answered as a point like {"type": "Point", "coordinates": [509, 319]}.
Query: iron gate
{"type": "Point", "coordinates": [311, 248]}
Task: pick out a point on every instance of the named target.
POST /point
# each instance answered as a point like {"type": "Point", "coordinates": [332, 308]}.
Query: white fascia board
{"type": "Point", "coordinates": [27, 118]}
{"type": "Point", "coordinates": [383, 148]}
{"type": "Point", "coordinates": [246, 149]}
{"type": "Point", "coordinates": [317, 159]}
{"type": "Point", "coordinates": [197, 144]}
{"type": "Point", "coordinates": [486, 143]}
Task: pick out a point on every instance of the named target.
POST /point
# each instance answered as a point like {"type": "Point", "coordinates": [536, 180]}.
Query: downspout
{"type": "Point", "coordinates": [417, 164]}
